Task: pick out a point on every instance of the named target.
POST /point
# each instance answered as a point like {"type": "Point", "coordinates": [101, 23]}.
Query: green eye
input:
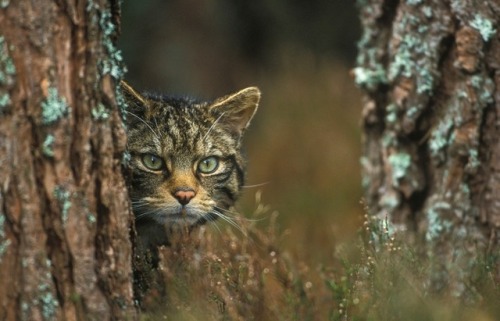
{"type": "Point", "coordinates": [208, 165]}
{"type": "Point", "coordinates": [152, 162]}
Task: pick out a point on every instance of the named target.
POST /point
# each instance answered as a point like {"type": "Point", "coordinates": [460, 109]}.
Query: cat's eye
{"type": "Point", "coordinates": [152, 162]}
{"type": "Point", "coordinates": [208, 165]}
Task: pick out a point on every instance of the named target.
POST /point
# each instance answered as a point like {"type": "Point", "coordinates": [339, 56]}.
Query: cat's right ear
{"type": "Point", "coordinates": [132, 96]}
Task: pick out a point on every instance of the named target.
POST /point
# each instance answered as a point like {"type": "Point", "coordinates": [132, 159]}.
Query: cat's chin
{"type": "Point", "coordinates": [183, 217]}
{"type": "Point", "coordinates": [177, 219]}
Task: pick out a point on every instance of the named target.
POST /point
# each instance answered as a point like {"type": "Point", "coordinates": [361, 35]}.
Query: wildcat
{"type": "Point", "coordinates": [186, 167]}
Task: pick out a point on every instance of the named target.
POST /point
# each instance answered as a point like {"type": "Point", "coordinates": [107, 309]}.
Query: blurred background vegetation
{"type": "Point", "coordinates": [304, 144]}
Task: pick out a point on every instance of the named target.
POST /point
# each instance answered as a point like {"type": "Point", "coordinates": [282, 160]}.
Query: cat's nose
{"type": "Point", "coordinates": [184, 196]}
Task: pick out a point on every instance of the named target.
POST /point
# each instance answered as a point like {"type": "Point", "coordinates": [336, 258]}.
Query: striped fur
{"type": "Point", "coordinates": [180, 133]}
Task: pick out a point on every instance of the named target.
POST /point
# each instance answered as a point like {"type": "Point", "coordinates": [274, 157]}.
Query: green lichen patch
{"type": "Point", "coordinates": [7, 73]}
{"type": "Point", "coordinates": [64, 198]}
{"type": "Point", "coordinates": [47, 145]}
{"type": "Point", "coordinates": [91, 218]}
{"type": "Point", "coordinates": [369, 78]}
{"type": "Point", "coordinates": [7, 68]}
{"type": "Point", "coordinates": [484, 26]}
{"type": "Point", "coordinates": [391, 115]}
{"type": "Point", "coordinates": [413, 2]}
{"type": "Point", "coordinates": [4, 100]}
{"type": "Point", "coordinates": [389, 139]}
{"type": "Point", "coordinates": [404, 63]}
{"type": "Point", "coordinates": [370, 72]}
{"type": "Point", "coordinates": [416, 56]}
{"type": "Point", "coordinates": [113, 64]}
{"type": "Point", "coordinates": [2, 223]}
{"type": "Point", "coordinates": [473, 162]}
{"type": "Point", "coordinates": [413, 111]}
{"type": "Point", "coordinates": [440, 137]}
{"type": "Point", "coordinates": [436, 224]}
{"type": "Point", "coordinates": [46, 300]}
{"type": "Point", "coordinates": [100, 112]}
{"type": "Point", "coordinates": [484, 88]}
{"type": "Point", "coordinates": [4, 3]}
{"type": "Point", "coordinates": [54, 107]}
{"type": "Point", "coordinates": [427, 11]}
{"type": "Point", "coordinates": [390, 200]}
{"type": "Point", "coordinates": [365, 166]}
{"type": "Point", "coordinates": [4, 243]}
{"type": "Point", "coordinates": [126, 158]}
{"type": "Point", "coordinates": [400, 164]}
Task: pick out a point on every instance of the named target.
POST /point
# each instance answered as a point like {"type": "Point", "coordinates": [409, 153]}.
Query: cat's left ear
{"type": "Point", "coordinates": [132, 96]}
{"type": "Point", "coordinates": [235, 111]}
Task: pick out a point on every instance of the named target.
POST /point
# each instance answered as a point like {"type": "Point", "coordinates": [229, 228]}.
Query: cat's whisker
{"type": "Point", "coordinates": [241, 217]}
{"type": "Point", "coordinates": [213, 126]}
{"type": "Point", "coordinates": [255, 185]}
{"type": "Point", "coordinates": [230, 221]}
{"type": "Point", "coordinates": [139, 205]}
{"type": "Point", "coordinates": [148, 213]}
{"type": "Point", "coordinates": [156, 124]}
{"type": "Point", "coordinates": [228, 211]}
{"type": "Point", "coordinates": [154, 133]}
{"type": "Point", "coordinates": [140, 201]}
{"type": "Point", "coordinates": [149, 207]}
{"type": "Point", "coordinates": [214, 224]}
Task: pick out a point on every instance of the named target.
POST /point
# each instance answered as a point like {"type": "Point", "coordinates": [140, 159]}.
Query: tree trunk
{"type": "Point", "coordinates": [65, 252]}
{"type": "Point", "coordinates": [430, 74]}
{"type": "Point", "coordinates": [431, 120]}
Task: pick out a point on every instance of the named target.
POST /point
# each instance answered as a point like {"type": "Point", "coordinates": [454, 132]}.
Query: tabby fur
{"type": "Point", "coordinates": [177, 138]}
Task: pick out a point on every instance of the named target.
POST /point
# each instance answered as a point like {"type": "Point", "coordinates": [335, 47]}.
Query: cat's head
{"type": "Point", "coordinates": [186, 163]}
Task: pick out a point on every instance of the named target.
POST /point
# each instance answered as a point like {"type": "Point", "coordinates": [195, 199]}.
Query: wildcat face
{"type": "Point", "coordinates": [186, 164]}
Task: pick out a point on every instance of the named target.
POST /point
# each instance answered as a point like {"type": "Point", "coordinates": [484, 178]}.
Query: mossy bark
{"type": "Point", "coordinates": [430, 74]}
{"type": "Point", "coordinates": [65, 252]}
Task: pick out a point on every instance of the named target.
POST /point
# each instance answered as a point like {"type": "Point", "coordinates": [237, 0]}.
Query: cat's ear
{"type": "Point", "coordinates": [132, 96]}
{"type": "Point", "coordinates": [235, 111]}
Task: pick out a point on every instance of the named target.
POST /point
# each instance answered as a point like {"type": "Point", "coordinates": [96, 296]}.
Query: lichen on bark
{"type": "Point", "coordinates": [430, 83]}
{"type": "Point", "coordinates": [65, 219]}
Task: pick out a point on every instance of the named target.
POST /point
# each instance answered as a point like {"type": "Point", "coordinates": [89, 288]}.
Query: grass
{"type": "Point", "coordinates": [305, 264]}
{"type": "Point", "coordinates": [225, 274]}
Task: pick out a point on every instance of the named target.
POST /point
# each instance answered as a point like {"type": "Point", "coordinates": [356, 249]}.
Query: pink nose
{"type": "Point", "coordinates": [184, 196]}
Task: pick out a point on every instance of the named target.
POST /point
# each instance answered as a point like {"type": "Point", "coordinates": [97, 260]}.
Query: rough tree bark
{"type": "Point", "coordinates": [430, 74]}
{"type": "Point", "coordinates": [64, 215]}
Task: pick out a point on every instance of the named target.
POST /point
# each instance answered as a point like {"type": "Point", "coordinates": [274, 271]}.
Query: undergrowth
{"type": "Point", "coordinates": [226, 274]}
